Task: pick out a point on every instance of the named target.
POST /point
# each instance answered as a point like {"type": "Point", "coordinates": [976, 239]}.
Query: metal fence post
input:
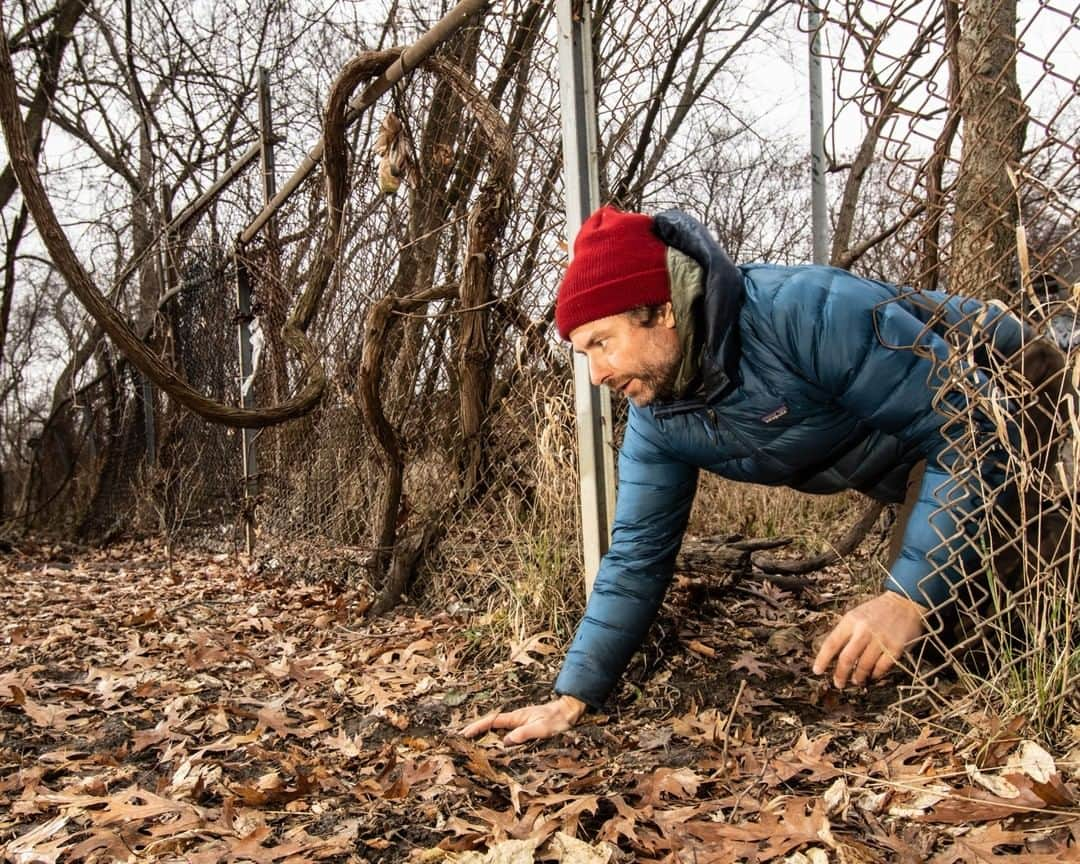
{"type": "Point", "coordinates": [593, 405]}
{"type": "Point", "coordinates": [819, 213]}
{"type": "Point", "coordinates": [266, 133]}
{"type": "Point", "coordinates": [244, 314]}
{"type": "Point", "coordinates": [247, 394]}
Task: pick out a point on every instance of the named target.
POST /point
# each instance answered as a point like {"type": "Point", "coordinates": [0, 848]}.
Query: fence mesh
{"type": "Point", "coordinates": [445, 438]}
{"type": "Point", "coordinates": [970, 119]}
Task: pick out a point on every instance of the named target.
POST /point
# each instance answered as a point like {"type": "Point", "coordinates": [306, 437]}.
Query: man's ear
{"type": "Point", "coordinates": [667, 315]}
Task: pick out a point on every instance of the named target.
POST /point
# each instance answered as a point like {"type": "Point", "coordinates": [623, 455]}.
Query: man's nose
{"type": "Point", "coordinates": [598, 371]}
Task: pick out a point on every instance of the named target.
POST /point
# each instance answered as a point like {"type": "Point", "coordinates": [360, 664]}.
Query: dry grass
{"type": "Point", "coordinates": [515, 561]}
{"type": "Point", "coordinates": [1019, 654]}
{"type": "Point", "coordinates": [811, 521]}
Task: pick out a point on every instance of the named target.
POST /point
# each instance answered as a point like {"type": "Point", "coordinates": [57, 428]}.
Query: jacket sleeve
{"type": "Point", "coordinates": [988, 326]}
{"type": "Point", "coordinates": [881, 359]}
{"type": "Point", "coordinates": [655, 493]}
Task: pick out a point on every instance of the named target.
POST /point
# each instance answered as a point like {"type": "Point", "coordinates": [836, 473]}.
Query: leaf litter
{"type": "Point", "coordinates": [227, 714]}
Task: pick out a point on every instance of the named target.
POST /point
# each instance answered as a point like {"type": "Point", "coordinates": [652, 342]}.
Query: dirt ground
{"type": "Point", "coordinates": [213, 711]}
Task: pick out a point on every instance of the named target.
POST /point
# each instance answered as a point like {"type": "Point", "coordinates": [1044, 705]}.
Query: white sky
{"type": "Point", "coordinates": [1044, 29]}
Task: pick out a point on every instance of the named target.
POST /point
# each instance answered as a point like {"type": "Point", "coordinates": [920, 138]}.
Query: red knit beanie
{"type": "Point", "coordinates": [618, 264]}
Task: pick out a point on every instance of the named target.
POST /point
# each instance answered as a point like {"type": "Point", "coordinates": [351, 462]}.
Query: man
{"type": "Point", "coordinates": [805, 376]}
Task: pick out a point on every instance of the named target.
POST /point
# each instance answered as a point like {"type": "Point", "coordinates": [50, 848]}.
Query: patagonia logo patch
{"type": "Point", "coordinates": [775, 414]}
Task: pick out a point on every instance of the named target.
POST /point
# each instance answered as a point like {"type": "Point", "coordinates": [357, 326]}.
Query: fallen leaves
{"type": "Point", "coordinates": [668, 784]}
{"type": "Point", "coordinates": [561, 848]}
{"type": "Point", "coordinates": [228, 718]}
{"type": "Point", "coordinates": [751, 663]}
{"type": "Point", "coordinates": [1029, 782]}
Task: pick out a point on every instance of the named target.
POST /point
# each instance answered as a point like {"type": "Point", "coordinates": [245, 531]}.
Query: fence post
{"type": "Point", "coordinates": [244, 314]}
{"type": "Point", "coordinates": [247, 394]}
{"type": "Point", "coordinates": [819, 214]}
{"type": "Point", "coordinates": [593, 405]}
{"type": "Point", "coordinates": [266, 140]}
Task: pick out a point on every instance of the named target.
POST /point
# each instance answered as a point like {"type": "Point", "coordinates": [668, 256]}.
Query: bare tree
{"type": "Point", "coordinates": [46, 38]}
{"type": "Point", "coordinates": [159, 102]}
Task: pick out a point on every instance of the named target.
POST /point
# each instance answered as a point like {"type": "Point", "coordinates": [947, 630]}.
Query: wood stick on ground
{"type": "Point", "coordinates": [844, 546]}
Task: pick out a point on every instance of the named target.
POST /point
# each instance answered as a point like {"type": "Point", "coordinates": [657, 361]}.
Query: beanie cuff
{"type": "Point", "coordinates": [650, 288]}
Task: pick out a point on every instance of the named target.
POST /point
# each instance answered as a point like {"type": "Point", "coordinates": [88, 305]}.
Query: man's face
{"type": "Point", "coordinates": [640, 361]}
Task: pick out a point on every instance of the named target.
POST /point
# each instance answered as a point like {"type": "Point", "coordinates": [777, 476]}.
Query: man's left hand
{"type": "Point", "coordinates": [870, 639]}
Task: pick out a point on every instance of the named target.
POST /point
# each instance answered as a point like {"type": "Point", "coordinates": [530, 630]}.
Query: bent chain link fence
{"type": "Point", "coordinates": [324, 496]}
{"type": "Point", "coordinates": [977, 154]}
{"type": "Point", "coordinates": [962, 183]}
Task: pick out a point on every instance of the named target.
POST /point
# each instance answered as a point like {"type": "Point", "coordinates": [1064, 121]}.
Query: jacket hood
{"type": "Point", "coordinates": [723, 298]}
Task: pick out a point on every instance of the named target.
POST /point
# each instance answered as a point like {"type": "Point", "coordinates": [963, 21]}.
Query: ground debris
{"type": "Point", "coordinates": [209, 711]}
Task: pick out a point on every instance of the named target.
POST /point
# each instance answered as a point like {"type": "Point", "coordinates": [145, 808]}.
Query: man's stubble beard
{"type": "Point", "coordinates": [659, 381]}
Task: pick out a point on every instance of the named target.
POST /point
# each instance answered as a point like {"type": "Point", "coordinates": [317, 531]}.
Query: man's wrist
{"type": "Point", "coordinates": [573, 708]}
{"type": "Point", "coordinates": [901, 593]}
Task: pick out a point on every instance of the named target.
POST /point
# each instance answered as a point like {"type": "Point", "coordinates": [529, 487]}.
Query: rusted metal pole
{"type": "Point", "coordinates": [819, 214]}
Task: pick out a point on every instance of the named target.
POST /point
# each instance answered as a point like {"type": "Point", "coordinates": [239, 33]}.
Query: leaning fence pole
{"type": "Point", "coordinates": [580, 165]}
{"type": "Point", "coordinates": [819, 214]}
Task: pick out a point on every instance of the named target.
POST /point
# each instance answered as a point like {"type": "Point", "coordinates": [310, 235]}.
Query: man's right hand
{"type": "Point", "coordinates": [531, 722]}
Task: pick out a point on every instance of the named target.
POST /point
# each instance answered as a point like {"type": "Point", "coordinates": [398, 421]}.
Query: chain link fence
{"type": "Point", "coordinates": [970, 116]}
{"type": "Point", "coordinates": [441, 458]}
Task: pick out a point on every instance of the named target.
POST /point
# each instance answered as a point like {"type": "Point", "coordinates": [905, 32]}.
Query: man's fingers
{"type": "Point", "coordinates": [856, 644]}
{"type": "Point", "coordinates": [864, 666]}
{"type": "Point", "coordinates": [526, 732]}
{"type": "Point", "coordinates": [522, 723]}
{"type": "Point", "coordinates": [868, 640]}
{"type": "Point", "coordinates": [512, 719]}
{"type": "Point", "coordinates": [832, 644]}
{"type": "Point", "coordinates": [884, 663]}
{"type": "Point", "coordinates": [494, 720]}
{"type": "Point", "coordinates": [536, 727]}
{"type": "Point", "coordinates": [479, 726]}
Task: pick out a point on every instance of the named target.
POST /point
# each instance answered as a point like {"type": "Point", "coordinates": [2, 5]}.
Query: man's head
{"type": "Point", "coordinates": [614, 305]}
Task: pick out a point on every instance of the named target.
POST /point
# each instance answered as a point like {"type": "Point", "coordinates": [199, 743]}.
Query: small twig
{"type": "Point", "coordinates": [730, 720]}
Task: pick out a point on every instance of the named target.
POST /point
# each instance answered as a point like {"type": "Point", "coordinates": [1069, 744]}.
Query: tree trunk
{"type": "Point", "coordinates": [994, 119]}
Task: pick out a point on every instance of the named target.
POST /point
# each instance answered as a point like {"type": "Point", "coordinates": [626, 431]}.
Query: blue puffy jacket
{"type": "Point", "coordinates": [811, 378]}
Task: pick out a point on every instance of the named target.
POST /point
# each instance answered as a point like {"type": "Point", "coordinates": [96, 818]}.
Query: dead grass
{"type": "Point", "coordinates": [812, 521]}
